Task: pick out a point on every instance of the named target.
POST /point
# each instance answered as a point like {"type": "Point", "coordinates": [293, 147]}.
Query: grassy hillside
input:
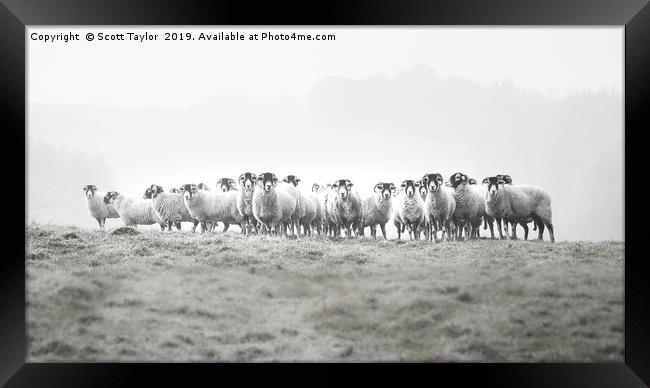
{"type": "Point", "coordinates": [154, 296]}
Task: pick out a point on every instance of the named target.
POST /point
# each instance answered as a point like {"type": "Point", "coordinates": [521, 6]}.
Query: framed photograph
{"type": "Point", "coordinates": [440, 184]}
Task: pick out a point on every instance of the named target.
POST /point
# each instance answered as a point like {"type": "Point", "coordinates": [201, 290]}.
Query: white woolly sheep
{"type": "Point", "coordinates": [99, 210]}
{"type": "Point", "coordinates": [247, 182]}
{"type": "Point", "coordinates": [524, 224]}
{"type": "Point", "coordinates": [377, 208]}
{"type": "Point", "coordinates": [321, 218]}
{"type": "Point", "coordinates": [274, 205]}
{"type": "Point", "coordinates": [307, 204]}
{"type": "Point", "coordinates": [134, 211]}
{"type": "Point", "coordinates": [515, 203]}
{"type": "Point", "coordinates": [170, 207]}
{"type": "Point", "coordinates": [439, 206]}
{"type": "Point", "coordinates": [212, 206]}
{"type": "Point", "coordinates": [408, 210]}
{"type": "Point", "coordinates": [470, 204]}
{"type": "Point", "coordinates": [344, 207]}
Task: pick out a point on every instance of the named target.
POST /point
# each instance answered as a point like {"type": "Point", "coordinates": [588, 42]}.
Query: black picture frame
{"type": "Point", "coordinates": [633, 14]}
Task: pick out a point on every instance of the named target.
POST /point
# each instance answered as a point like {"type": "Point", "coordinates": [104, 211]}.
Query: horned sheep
{"type": "Point", "coordinates": [134, 211]}
{"type": "Point", "coordinates": [99, 210]}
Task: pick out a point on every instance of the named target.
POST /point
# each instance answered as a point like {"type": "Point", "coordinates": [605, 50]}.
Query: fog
{"type": "Point", "coordinates": [381, 126]}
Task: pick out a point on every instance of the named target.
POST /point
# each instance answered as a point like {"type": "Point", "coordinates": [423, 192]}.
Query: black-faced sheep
{"type": "Point", "coordinates": [273, 205]}
{"type": "Point", "coordinates": [247, 182]}
{"type": "Point", "coordinates": [512, 203]}
{"type": "Point", "coordinates": [377, 208]}
{"type": "Point", "coordinates": [213, 206]}
{"type": "Point", "coordinates": [408, 210]}
{"type": "Point", "coordinates": [439, 206]}
{"type": "Point", "coordinates": [344, 207]}
{"type": "Point", "coordinates": [99, 210]}
{"type": "Point", "coordinates": [308, 205]}
{"type": "Point", "coordinates": [470, 204]}
{"type": "Point", "coordinates": [226, 184]}
{"type": "Point", "coordinates": [169, 207]}
{"type": "Point", "coordinates": [134, 211]}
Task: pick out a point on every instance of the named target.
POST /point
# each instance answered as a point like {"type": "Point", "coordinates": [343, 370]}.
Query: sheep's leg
{"type": "Point", "coordinates": [540, 231]}
{"type": "Point", "coordinates": [498, 220]}
{"type": "Point", "coordinates": [226, 226]}
{"type": "Point", "coordinates": [513, 225]}
{"type": "Point", "coordinates": [525, 226]}
{"type": "Point", "coordinates": [373, 231]}
{"type": "Point", "coordinates": [399, 230]}
{"type": "Point", "coordinates": [195, 223]}
{"type": "Point", "coordinates": [491, 225]}
{"type": "Point", "coordinates": [383, 230]}
{"type": "Point", "coordinates": [550, 231]}
{"type": "Point", "coordinates": [505, 229]}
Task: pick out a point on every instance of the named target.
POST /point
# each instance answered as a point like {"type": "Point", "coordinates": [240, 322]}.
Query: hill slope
{"type": "Point", "coordinates": [154, 296]}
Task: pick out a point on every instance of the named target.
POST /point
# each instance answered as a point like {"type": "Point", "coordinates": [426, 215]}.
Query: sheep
{"type": "Point", "coordinates": [96, 206]}
{"type": "Point", "coordinates": [273, 205]}
{"type": "Point", "coordinates": [214, 206]}
{"type": "Point", "coordinates": [291, 183]}
{"type": "Point", "coordinates": [423, 190]}
{"type": "Point", "coordinates": [512, 203]}
{"type": "Point", "coordinates": [439, 206]}
{"type": "Point", "coordinates": [377, 208]}
{"type": "Point", "coordinates": [470, 204]}
{"type": "Point", "coordinates": [226, 184]}
{"type": "Point", "coordinates": [408, 210]}
{"type": "Point", "coordinates": [344, 207]}
{"type": "Point", "coordinates": [321, 193]}
{"type": "Point", "coordinates": [134, 211]}
{"type": "Point", "coordinates": [247, 182]}
{"type": "Point", "coordinates": [174, 190]}
{"type": "Point", "coordinates": [210, 225]}
{"type": "Point", "coordinates": [308, 205]}
{"type": "Point", "coordinates": [170, 207]}
{"type": "Point", "coordinates": [524, 224]}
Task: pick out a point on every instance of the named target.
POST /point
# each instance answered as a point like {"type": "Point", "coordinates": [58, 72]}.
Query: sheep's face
{"type": "Point", "coordinates": [110, 196]}
{"type": "Point", "coordinates": [203, 186]}
{"type": "Point", "coordinates": [225, 184]}
{"type": "Point", "coordinates": [422, 188]}
{"type": "Point", "coordinates": [458, 179]}
{"type": "Point", "coordinates": [433, 182]}
{"type": "Point", "coordinates": [342, 187]}
{"type": "Point", "coordinates": [494, 184]}
{"type": "Point", "coordinates": [189, 191]}
{"type": "Point", "coordinates": [267, 180]}
{"type": "Point", "coordinates": [174, 190]}
{"type": "Point", "coordinates": [147, 193]}
{"type": "Point", "coordinates": [385, 189]}
{"type": "Point", "coordinates": [292, 179]}
{"type": "Point", "coordinates": [89, 190]}
{"type": "Point", "coordinates": [247, 180]}
{"type": "Point", "coordinates": [409, 187]}
{"type": "Point", "coordinates": [315, 187]}
{"type": "Point", "coordinates": [506, 178]}
{"type": "Point", "coordinates": [155, 190]}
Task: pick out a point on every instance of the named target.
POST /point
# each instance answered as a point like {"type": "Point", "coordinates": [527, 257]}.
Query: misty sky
{"type": "Point", "coordinates": [377, 104]}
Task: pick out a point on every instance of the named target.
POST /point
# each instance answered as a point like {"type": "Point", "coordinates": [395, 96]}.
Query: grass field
{"type": "Point", "coordinates": [94, 296]}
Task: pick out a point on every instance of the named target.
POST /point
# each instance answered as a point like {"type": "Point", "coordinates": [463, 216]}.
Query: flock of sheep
{"type": "Point", "coordinates": [264, 204]}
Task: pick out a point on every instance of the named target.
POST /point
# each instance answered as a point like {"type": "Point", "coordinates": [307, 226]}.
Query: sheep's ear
{"type": "Point", "coordinates": [486, 180]}
{"type": "Point", "coordinates": [241, 178]}
{"type": "Point", "coordinates": [284, 179]}
{"type": "Point", "coordinates": [297, 180]}
{"type": "Point", "coordinates": [418, 184]}
{"type": "Point", "coordinates": [403, 184]}
{"type": "Point", "coordinates": [94, 187]}
{"type": "Point", "coordinates": [448, 184]}
{"type": "Point", "coordinates": [501, 182]}
{"type": "Point", "coordinates": [439, 179]}
{"type": "Point", "coordinates": [463, 178]}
